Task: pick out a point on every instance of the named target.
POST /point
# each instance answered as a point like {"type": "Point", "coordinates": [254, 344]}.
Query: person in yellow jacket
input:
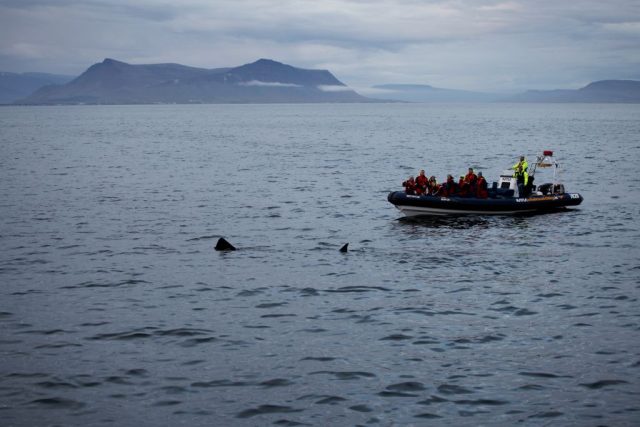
{"type": "Point", "coordinates": [521, 174]}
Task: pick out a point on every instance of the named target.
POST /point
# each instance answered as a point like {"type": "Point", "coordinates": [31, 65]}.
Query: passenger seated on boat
{"type": "Point", "coordinates": [472, 180]}
{"type": "Point", "coordinates": [432, 186]}
{"type": "Point", "coordinates": [421, 182]}
{"type": "Point", "coordinates": [409, 186]}
{"type": "Point", "coordinates": [463, 188]}
{"type": "Point", "coordinates": [470, 177]}
{"type": "Point", "coordinates": [448, 188]}
{"type": "Point", "coordinates": [481, 187]}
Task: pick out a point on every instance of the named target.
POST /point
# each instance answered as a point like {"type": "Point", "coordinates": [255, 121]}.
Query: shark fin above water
{"type": "Point", "coordinates": [223, 245]}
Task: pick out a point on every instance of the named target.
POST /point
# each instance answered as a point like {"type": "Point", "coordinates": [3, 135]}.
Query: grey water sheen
{"type": "Point", "coordinates": [115, 309]}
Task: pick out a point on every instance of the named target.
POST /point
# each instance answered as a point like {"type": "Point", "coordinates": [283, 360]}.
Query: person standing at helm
{"type": "Point", "coordinates": [521, 174]}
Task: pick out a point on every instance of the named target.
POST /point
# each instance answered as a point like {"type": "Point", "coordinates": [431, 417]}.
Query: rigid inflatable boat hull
{"type": "Point", "coordinates": [412, 205]}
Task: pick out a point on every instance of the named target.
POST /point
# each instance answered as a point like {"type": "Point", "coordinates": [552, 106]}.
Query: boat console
{"type": "Point", "coordinates": [506, 185]}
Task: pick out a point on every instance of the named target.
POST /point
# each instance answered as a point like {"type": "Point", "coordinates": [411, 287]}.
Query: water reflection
{"type": "Point", "coordinates": [453, 222]}
{"type": "Point", "coordinates": [464, 222]}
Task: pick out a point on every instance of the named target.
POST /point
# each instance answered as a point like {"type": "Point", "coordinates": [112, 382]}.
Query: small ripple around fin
{"type": "Point", "coordinates": [203, 238]}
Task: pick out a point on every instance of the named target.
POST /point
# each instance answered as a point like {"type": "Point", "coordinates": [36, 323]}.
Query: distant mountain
{"type": "Point", "coordinates": [605, 91]}
{"type": "Point", "coordinates": [14, 86]}
{"type": "Point", "coordinates": [263, 81]}
{"type": "Point", "coordinates": [426, 93]}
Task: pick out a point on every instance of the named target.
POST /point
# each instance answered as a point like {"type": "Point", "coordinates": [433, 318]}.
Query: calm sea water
{"type": "Point", "coordinates": [116, 310]}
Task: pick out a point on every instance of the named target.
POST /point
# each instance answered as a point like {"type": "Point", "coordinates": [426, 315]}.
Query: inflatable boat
{"type": "Point", "coordinates": [505, 197]}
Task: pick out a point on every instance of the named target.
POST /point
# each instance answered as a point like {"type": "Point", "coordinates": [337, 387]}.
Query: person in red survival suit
{"type": "Point", "coordinates": [433, 186]}
{"type": "Point", "coordinates": [481, 187]}
{"type": "Point", "coordinates": [472, 180]}
{"type": "Point", "coordinates": [470, 177]}
{"type": "Point", "coordinates": [448, 188]}
{"type": "Point", "coordinates": [409, 186]}
{"type": "Point", "coordinates": [463, 187]}
{"type": "Point", "coordinates": [421, 183]}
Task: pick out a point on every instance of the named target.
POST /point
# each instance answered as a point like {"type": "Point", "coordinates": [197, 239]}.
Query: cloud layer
{"type": "Point", "coordinates": [466, 44]}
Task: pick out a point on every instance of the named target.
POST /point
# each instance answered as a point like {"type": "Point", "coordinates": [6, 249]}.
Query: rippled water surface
{"type": "Point", "coordinates": [116, 310]}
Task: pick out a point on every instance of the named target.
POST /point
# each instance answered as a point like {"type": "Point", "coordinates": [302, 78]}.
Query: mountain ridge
{"type": "Point", "coordinates": [601, 91]}
{"type": "Point", "coordinates": [14, 86]}
{"type": "Point", "coordinates": [263, 81]}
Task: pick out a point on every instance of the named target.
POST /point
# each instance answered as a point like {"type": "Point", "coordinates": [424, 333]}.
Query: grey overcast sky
{"type": "Point", "coordinates": [490, 45]}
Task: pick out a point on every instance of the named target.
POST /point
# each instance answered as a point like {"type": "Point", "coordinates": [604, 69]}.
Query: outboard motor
{"type": "Point", "coordinates": [558, 189]}
{"type": "Point", "coordinates": [545, 189]}
{"type": "Point", "coordinates": [547, 161]}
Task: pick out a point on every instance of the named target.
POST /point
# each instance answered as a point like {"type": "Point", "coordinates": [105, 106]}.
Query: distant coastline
{"type": "Point", "coordinates": [264, 81]}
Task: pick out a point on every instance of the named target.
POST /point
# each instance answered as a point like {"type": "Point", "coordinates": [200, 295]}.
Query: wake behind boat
{"type": "Point", "coordinates": [513, 193]}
